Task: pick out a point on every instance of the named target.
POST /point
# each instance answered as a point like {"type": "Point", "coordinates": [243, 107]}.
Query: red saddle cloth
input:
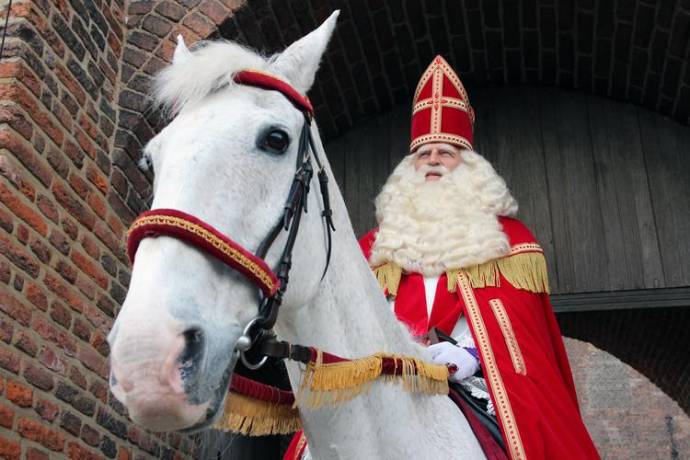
{"type": "Point", "coordinates": [488, 444]}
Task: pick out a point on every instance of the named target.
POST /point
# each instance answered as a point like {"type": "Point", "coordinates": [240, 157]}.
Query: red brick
{"type": "Point", "coordinates": [76, 376]}
{"type": "Point", "coordinates": [97, 178]}
{"type": "Point", "coordinates": [49, 332]}
{"type": "Point", "coordinates": [10, 449]}
{"type": "Point", "coordinates": [97, 318]}
{"type": "Point", "coordinates": [65, 293]}
{"type": "Point", "coordinates": [52, 361]}
{"type": "Point", "coordinates": [48, 410]}
{"type": "Point", "coordinates": [70, 227]}
{"type": "Point", "coordinates": [214, 11]}
{"type": "Point", "coordinates": [90, 436]}
{"type": "Point", "coordinates": [17, 173]}
{"type": "Point", "coordinates": [59, 241]}
{"type": "Point", "coordinates": [22, 210]}
{"type": "Point", "coordinates": [199, 24]}
{"type": "Point", "coordinates": [15, 117]}
{"type": "Point", "coordinates": [26, 343]}
{"type": "Point", "coordinates": [77, 452]}
{"type": "Point", "coordinates": [90, 246]}
{"type": "Point", "coordinates": [123, 454]}
{"type": "Point", "coordinates": [73, 205]}
{"type": "Point", "coordinates": [23, 233]}
{"type": "Point", "coordinates": [36, 431]}
{"type": "Point", "coordinates": [48, 208]}
{"type": "Point", "coordinates": [74, 153]}
{"type": "Point", "coordinates": [20, 394]}
{"type": "Point", "coordinates": [94, 271]}
{"type": "Point", "coordinates": [6, 416]}
{"type": "Point", "coordinates": [60, 314]}
{"type": "Point", "coordinates": [6, 331]}
{"type": "Point", "coordinates": [9, 360]}
{"type": "Point", "coordinates": [41, 250]}
{"type": "Point", "coordinates": [86, 144]}
{"type": "Point", "coordinates": [25, 99]}
{"type": "Point", "coordinates": [79, 185]}
{"type": "Point", "coordinates": [100, 343]}
{"type": "Point", "coordinates": [72, 85]}
{"type": "Point", "coordinates": [93, 361]}
{"type": "Point", "coordinates": [36, 296]}
{"type": "Point", "coordinates": [99, 390]}
{"type": "Point", "coordinates": [116, 225]}
{"type": "Point", "coordinates": [66, 270]}
{"type": "Point", "coordinates": [81, 329]}
{"type": "Point", "coordinates": [14, 308]}
{"type": "Point", "coordinates": [98, 205]}
{"type": "Point", "coordinates": [86, 286]}
{"type": "Point", "coordinates": [35, 454]}
{"type": "Point", "coordinates": [111, 241]}
{"type": "Point", "coordinates": [6, 221]}
{"type": "Point", "coordinates": [39, 377]}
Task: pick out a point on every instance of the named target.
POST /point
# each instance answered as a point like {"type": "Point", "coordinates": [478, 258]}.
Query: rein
{"type": "Point", "coordinates": [272, 283]}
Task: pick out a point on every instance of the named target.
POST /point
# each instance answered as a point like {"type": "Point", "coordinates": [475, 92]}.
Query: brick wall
{"type": "Point", "coordinates": [628, 417]}
{"type": "Point", "coordinates": [63, 214]}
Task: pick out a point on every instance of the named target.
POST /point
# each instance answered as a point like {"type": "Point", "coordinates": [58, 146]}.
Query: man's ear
{"type": "Point", "coordinates": [300, 61]}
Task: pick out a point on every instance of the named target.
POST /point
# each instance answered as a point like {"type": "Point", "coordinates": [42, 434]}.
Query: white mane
{"type": "Point", "coordinates": [210, 66]}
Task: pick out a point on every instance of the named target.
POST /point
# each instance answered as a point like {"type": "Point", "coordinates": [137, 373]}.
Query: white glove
{"type": "Point", "coordinates": [451, 355]}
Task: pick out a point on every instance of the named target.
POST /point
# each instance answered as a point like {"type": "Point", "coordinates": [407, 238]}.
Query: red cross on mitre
{"type": "Point", "coordinates": [441, 110]}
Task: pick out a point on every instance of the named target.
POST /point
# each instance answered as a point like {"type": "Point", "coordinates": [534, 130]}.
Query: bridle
{"type": "Point", "coordinates": [257, 334]}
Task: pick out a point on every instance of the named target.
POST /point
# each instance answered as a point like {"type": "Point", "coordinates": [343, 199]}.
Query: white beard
{"type": "Point", "coordinates": [431, 227]}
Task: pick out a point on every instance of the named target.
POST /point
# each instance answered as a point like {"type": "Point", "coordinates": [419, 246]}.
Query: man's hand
{"type": "Point", "coordinates": [451, 355]}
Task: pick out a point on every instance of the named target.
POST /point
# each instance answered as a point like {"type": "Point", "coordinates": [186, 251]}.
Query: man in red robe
{"type": "Point", "coordinates": [450, 255]}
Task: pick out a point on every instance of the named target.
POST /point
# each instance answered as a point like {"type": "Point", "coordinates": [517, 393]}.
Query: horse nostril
{"type": "Point", "coordinates": [194, 343]}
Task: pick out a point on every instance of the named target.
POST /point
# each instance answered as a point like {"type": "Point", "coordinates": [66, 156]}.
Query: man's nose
{"type": "Point", "coordinates": [434, 158]}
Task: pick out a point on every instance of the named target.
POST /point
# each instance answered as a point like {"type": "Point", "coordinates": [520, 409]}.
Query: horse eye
{"type": "Point", "coordinates": [275, 141]}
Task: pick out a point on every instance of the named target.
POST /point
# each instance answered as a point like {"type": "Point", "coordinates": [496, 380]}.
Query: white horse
{"type": "Point", "coordinates": [213, 161]}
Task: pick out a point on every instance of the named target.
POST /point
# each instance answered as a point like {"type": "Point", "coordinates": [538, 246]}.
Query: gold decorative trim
{"type": "Point", "coordinates": [525, 247]}
{"type": "Point", "coordinates": [524, 267]}
{"type": "Point", "coordinates": [210, 238]}
{"type": "Point", "coordinates": [440, 137]}
{"type": "Point", "coordinates": [436, 108]}
{"type": "Point", "coordinates": [445, 102]}
{"type": "Point", "coordinates": [388, 276]}
{"type": "Point", "coordinates": [509, 336]}
{"type": "Point", "coordinates": [300, 445]}
{"type": "Point", "coordinates": [335, 383]}
{"type": "Point", "coordinates": [253, 417]}
{"type": "Point", "coordinates": [491, 372]}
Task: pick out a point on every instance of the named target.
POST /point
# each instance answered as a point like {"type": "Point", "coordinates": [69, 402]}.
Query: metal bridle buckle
{"type": "Point", "coordinates": [245, 342]}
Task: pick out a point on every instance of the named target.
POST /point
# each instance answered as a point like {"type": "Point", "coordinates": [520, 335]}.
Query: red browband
{"type": "Point", "coordinates": [177, 224]}
{"type": "Point", "coordinates": [268, 81]}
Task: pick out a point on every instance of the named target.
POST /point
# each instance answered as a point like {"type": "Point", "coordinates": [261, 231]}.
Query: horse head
{"type": "Point", "coordinates": [228, 158]}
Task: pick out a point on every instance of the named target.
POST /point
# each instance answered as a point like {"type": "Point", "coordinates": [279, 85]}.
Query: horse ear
{"type": "Point", "coordinates": [182, 53]}
{"type": "Point", "coordinates": [300, 61]}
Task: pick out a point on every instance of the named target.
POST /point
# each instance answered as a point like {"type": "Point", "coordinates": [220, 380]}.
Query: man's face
{"type": "Point", "coordinates": [437, 154]}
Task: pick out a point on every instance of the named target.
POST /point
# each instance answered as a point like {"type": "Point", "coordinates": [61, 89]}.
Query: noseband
{"type": "Point", "coordinates": [272, 283]}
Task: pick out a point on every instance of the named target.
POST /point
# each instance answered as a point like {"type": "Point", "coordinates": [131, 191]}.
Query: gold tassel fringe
{"type": "Point", "coordinates": [525, 270]}
{"type": "Point", "coordinates": [335, 383]}
{"type": "Point", "coordinates": [388, 276]}
{"type": "Point", "coordinates": [253, 417]}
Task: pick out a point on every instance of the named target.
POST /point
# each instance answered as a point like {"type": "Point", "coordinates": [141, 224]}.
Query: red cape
{"type": "Point", "coordinates": [521, 351]}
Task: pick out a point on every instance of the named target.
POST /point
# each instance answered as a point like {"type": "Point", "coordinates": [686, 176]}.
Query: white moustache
{"type": "Point", "coordinates": [426, 169]}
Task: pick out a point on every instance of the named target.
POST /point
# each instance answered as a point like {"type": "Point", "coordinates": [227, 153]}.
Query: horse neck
{"type": "Point", "coordinates": [350, 317]}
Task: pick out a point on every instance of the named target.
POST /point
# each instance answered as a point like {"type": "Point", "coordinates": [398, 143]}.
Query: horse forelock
{"type": "Point", "coordinates": [210, 66]}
